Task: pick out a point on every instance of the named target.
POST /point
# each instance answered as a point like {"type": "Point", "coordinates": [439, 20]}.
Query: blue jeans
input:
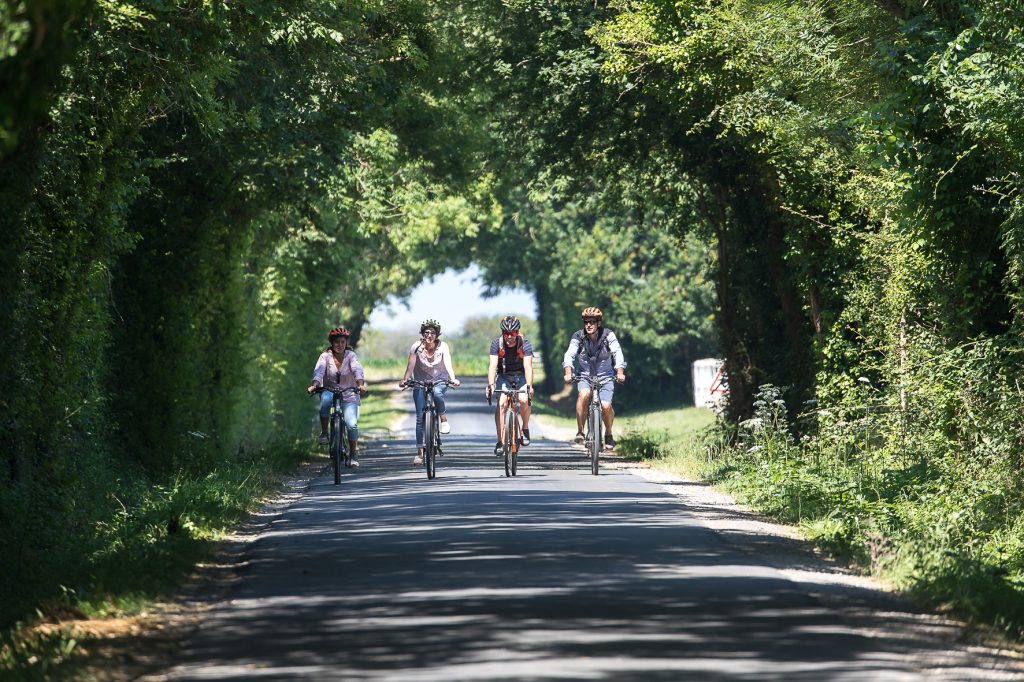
{"type": "Point", "coordinates": [419, 397]}
{"type": "Point", "coordinates": [348, 410]}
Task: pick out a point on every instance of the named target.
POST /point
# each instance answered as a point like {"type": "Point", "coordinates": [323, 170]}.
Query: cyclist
{"type": "Point", "coordinates": [511, 360]}
{"type": "Point", "coordinates": [338, 367]}
{"type": "Point", "coordinates": [599, 354]}
{"type": "Point", "coordinates": [430, 359]}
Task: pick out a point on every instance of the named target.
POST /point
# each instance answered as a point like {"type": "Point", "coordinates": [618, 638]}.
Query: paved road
{"type": "Point", "coordinates": [555, 574]}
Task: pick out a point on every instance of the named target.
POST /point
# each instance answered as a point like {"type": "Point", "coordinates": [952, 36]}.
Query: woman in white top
{"type": "Point", "coordinates": [430, 359]}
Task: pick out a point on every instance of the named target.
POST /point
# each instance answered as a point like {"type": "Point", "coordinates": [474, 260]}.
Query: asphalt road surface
{"type": "Point", "coordinates": [554, 574]}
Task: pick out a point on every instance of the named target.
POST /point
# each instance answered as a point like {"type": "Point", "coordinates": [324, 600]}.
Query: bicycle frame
{"type": "Point", "coordinates": [510, 426]}
{"type": "Point", "coordinates": [431, 424]}
{"type": "Point", "coordinates": [593, 441]}
{"type": "Point", "coordinates": [338, 442]}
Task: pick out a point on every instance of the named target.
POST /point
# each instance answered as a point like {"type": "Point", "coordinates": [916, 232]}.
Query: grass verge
{"type": "Point", "coordinates": [145, 552]}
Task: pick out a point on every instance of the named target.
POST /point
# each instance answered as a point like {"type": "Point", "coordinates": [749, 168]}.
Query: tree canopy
{"type": "Point", "coordinates": [826, 194]}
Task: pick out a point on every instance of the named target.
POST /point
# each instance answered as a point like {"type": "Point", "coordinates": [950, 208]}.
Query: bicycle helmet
{"type": "Point", "coordinates": [336, 333]}
{"type": "Point", "coordinates": [594, 312]}
{"type": "Point", "coordinates": [510, 324]}
{"type": "Point", "coordinates": [430, 323]}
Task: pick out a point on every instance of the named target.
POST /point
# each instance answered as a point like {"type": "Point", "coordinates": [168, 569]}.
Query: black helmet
{"type": "Point", "coordinates": [430, 323]}
{"type": "Point", "coordinates": [510, 324]}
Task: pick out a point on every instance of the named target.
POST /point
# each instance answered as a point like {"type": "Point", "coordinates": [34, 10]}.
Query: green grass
{"type": "Point", "coordinates": [667, 438]}
{"type": "Point", "coordinates": [377, 412]}
{"type": "Point", "coordinates": [144, 551]}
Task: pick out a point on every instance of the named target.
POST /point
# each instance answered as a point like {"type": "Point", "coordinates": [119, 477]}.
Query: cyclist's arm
{"type": "Point", "coordinates": [618, 360]}
{"type": "Point", "coordinates": [357, 370]}
{"type": "Point", "coordinates": [318, 373]}
{"type": "Point", "coordinates": [409, 367]}
{"type": "Point", "coordinates": [446, 356]}
{"type": "Point", "coordinates": [570, 356]}
{"type": "Point", "coordinates": [492, 370]}
{"type": "Point", "coordinates": [528, 371]}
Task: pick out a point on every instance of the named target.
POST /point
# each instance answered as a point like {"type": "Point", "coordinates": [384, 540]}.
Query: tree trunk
{"type": "Point", "coordinates": [737, 362]}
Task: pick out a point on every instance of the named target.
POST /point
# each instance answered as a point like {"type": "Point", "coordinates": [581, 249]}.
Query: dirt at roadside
{"type": "Point", "coordinates": [127, 648]}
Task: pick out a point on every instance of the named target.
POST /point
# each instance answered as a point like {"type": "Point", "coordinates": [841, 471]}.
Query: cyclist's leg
{"type": "Point", "coordinates": [439, 392]}
{"type": "Point", "coordinates": [351, 412]}
{"type": "Point", "coordinates": [500, 383]}
{"type": "Point", "coordinates": [582, 405]}
{"type": "Point", "coordinates": [524, 403]}
{"type": "Point", "coordinates": [607, 412]}
{"type": "Point", "coordinates": [503, 407]}
{"type": "Point", "coordinates": [325, 413]}
{"type": "Point", "coordinates": [419, 398]}
{"type": "Point", "coordinates": [524, 415]}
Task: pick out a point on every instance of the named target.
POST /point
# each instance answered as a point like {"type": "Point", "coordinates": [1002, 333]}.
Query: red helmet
{"type": "Point", "coordinates": [337, 333]}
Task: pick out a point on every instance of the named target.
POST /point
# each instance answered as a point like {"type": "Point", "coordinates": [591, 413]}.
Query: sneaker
{"type": "Point", "coordinates": [417, 460]}
{"type": "Point", "coordinates": [609, 443]}
{"type": "Point", "coordinates": [580, 438]}
{"type": "Point", "coordinates": [525, 440]}
{"type": "Point", "coordinates": [497, 449]}
{"type": "Point", "coordinates": [354, 463]}
{"type": "Point", "coordinates": [324, 439]}
{"type": "Point", "coordinates": [445, 428]}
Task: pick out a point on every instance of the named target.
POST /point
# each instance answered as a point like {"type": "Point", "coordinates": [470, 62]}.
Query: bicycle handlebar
{"type": "Point", "coordinates": [416, 383]}
{"type": "Point", "coordinates": [321, 389]}
{"type": "Point", "coordinates": [593, 381]}
{"type": "Point", "coordinates": [509, 392]}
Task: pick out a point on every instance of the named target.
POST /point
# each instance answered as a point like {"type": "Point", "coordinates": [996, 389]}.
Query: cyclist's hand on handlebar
{"type": "Point", "coordinates": [310, 389]}
{"type": "Point", "coordinates": [363, 388]}
{"type": "Point", "coordinates": [568, 377]}
{"type": "Point", "coordinates": [402, 384]}
{"type": "Point", "coordinates": [488, 391]}
{"type": "Point", "coordinates": [456, 383]}
{"type": "Point", "coordinates": [620, 377]}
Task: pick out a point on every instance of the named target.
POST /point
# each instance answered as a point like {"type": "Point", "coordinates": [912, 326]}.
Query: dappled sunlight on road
{"type": "Point", "coordinates": [554, 574]}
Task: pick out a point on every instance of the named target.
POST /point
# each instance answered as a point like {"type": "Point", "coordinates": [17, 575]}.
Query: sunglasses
{"type": "Point", "coordinates": [589, 320]}
{"type": "Point", "coordinates": [510, 333]}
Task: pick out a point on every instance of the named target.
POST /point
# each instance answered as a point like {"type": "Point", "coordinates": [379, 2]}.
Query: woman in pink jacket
{"type": "Point", "coordinates": [339, 368]}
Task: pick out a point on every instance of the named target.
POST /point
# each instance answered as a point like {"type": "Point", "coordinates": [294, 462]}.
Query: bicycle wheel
{"type": "Point", "coordinates": [509, 433]}
{"type": "Point", "coordinates": [595, 436]}
{"type": "Point", "coordinates": [429, 442]}
{"type": "Point", "coordinates": [346, 456]}
{"type": "Point", "coordinates": [516, 435]}
{"type": "Point", "coordinates": [336, 438]}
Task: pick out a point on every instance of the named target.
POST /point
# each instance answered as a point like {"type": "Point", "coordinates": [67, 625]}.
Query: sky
{"type": "Point", "coordinates": [451, 298]}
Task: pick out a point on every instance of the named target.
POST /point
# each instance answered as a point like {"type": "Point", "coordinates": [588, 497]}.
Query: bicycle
{"type": "Point", "coordinates": [511, 431]}
{"type": "Point", "coordinates": [431, 424]}
{"type": "Point", "coordinates": [592, 441]}
{"type": "Point", "coordinates": [338, 440]}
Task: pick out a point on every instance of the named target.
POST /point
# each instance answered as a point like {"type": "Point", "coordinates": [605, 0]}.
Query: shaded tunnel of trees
{"type": "Point", "coordinates": [826, 194]}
